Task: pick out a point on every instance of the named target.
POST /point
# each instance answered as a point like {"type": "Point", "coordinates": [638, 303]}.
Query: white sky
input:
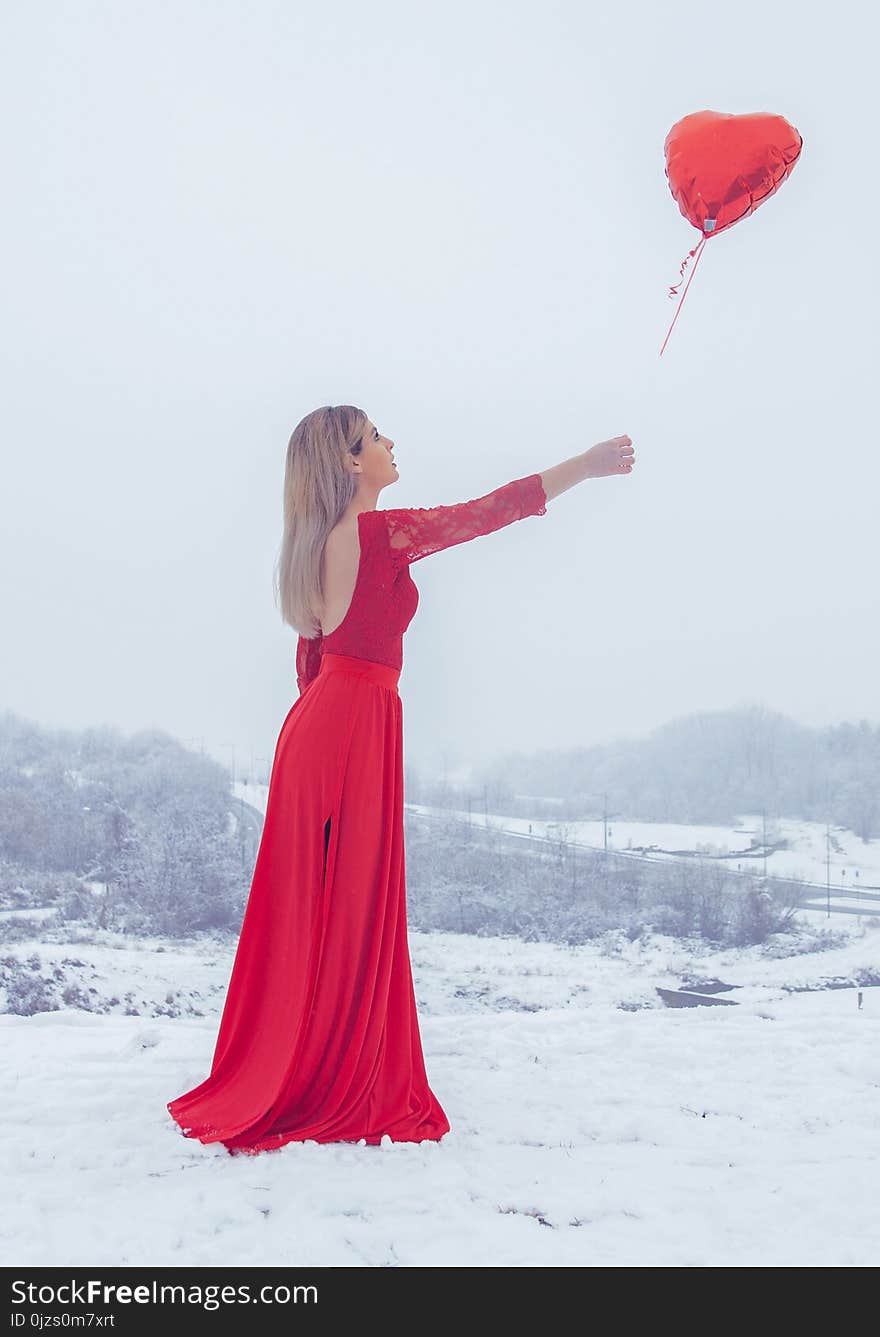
{"type": "Point", "coordinates": [221, 216]}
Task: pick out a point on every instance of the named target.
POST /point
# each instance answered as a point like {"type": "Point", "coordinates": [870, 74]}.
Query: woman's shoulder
{"type": "Point", "coordinates": [372, 523]}
{"type": "Point", "coordinates": [350, 524]}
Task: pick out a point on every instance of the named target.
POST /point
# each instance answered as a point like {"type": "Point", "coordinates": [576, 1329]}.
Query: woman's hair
{"type": "Point", "coordinates": [317, 489]}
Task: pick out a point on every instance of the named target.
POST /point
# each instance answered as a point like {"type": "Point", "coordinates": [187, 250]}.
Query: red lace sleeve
{"type": "Point", "coordinates": [418, 532]}
{"type": "Point", "coordinates": [308, 661]}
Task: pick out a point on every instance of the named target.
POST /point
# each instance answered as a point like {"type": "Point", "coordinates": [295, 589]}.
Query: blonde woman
{"type": "Point", "coordinates": [319, 1036]}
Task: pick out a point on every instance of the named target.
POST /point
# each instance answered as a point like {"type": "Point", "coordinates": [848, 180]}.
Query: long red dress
{"type": "Point", "coordinates": [319, 1035]}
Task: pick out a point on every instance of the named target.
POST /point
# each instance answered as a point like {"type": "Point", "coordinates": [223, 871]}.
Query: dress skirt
{"type": "Point", "coordinates": [319, 1036]}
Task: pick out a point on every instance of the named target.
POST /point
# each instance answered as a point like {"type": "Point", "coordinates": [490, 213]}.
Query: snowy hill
{"type": "Point", "coordinates": [591, 1124]}
{"type": "Point", "coordinates": [834, 858]}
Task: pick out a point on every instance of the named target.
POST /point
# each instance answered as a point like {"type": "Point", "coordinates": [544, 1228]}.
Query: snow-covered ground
{"type": "Point", "coordinates": [591, 1125]}
{"type": "Point", "coordinates": [795, 849]}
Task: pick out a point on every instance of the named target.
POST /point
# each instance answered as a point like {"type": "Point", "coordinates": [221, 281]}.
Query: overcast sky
{"type": "Point", "coordinates": [220, 216]}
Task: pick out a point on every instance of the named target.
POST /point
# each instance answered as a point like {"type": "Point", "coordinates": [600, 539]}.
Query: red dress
{"type": "Point", "coordinates": [319, 1035]}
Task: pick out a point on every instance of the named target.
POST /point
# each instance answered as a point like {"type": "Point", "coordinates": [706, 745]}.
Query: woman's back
{"type": "Point", "coordinates": [339, 569]}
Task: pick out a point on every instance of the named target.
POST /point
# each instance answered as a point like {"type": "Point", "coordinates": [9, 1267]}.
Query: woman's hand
{"type": "Point", "coordinates": [608, 457]}
{"type": "Point", "coordinates": [611, 457]}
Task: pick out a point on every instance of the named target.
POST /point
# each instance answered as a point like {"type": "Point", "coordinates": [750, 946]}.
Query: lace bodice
{"type": "Point", "coordinates": [385, 596]}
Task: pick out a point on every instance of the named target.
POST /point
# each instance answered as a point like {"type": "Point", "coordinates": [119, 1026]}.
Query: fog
{"type": "Point", "coordinates": [219, 217]}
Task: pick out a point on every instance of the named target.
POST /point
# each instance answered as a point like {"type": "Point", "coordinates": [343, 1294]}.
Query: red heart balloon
{"type": "Point", "coordinates": [721, 167]}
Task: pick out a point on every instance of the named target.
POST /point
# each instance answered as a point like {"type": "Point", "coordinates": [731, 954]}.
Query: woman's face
{"type": "Point", "coordinates": [376, 458]}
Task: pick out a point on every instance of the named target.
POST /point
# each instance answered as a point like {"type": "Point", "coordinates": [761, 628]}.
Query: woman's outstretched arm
{"type": "Point", "coordinates": [416, 532]}
{"type": "Point", "coordinates": [600, 461]}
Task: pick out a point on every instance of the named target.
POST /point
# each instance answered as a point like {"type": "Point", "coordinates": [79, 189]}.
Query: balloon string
{"type": "Point", "coordinates": [697, 251]}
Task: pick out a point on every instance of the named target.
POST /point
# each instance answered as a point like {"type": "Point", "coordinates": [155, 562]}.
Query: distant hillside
{"type": "Point", "coordinates": [703, 768]}
{"type": "Point", "coordinates": [134, 833]}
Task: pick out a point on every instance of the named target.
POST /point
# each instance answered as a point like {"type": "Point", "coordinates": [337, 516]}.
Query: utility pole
{"type": "Point", "coordinates": [605, 814]}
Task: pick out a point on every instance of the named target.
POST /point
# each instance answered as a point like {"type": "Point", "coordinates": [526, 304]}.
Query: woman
{"type": "Point", "coordinates": [319, 1036]}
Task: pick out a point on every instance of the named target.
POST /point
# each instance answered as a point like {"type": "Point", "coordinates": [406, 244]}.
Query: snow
{"type": "Point", "coordinates": [795, 848]}
{"type": "Point", "coordinates": [591, 1125]}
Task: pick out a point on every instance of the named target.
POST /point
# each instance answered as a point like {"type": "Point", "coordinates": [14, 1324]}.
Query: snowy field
{"type": "Point", "coordinates": [795, 849]}
{"type": "Point", "coordinates": [591, 1125]}
{"type": "Point", "coordinates": [837, 858]}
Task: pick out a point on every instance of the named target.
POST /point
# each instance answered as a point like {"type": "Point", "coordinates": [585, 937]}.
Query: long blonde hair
{"type": "Point", "coordinates": [317, 489]}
